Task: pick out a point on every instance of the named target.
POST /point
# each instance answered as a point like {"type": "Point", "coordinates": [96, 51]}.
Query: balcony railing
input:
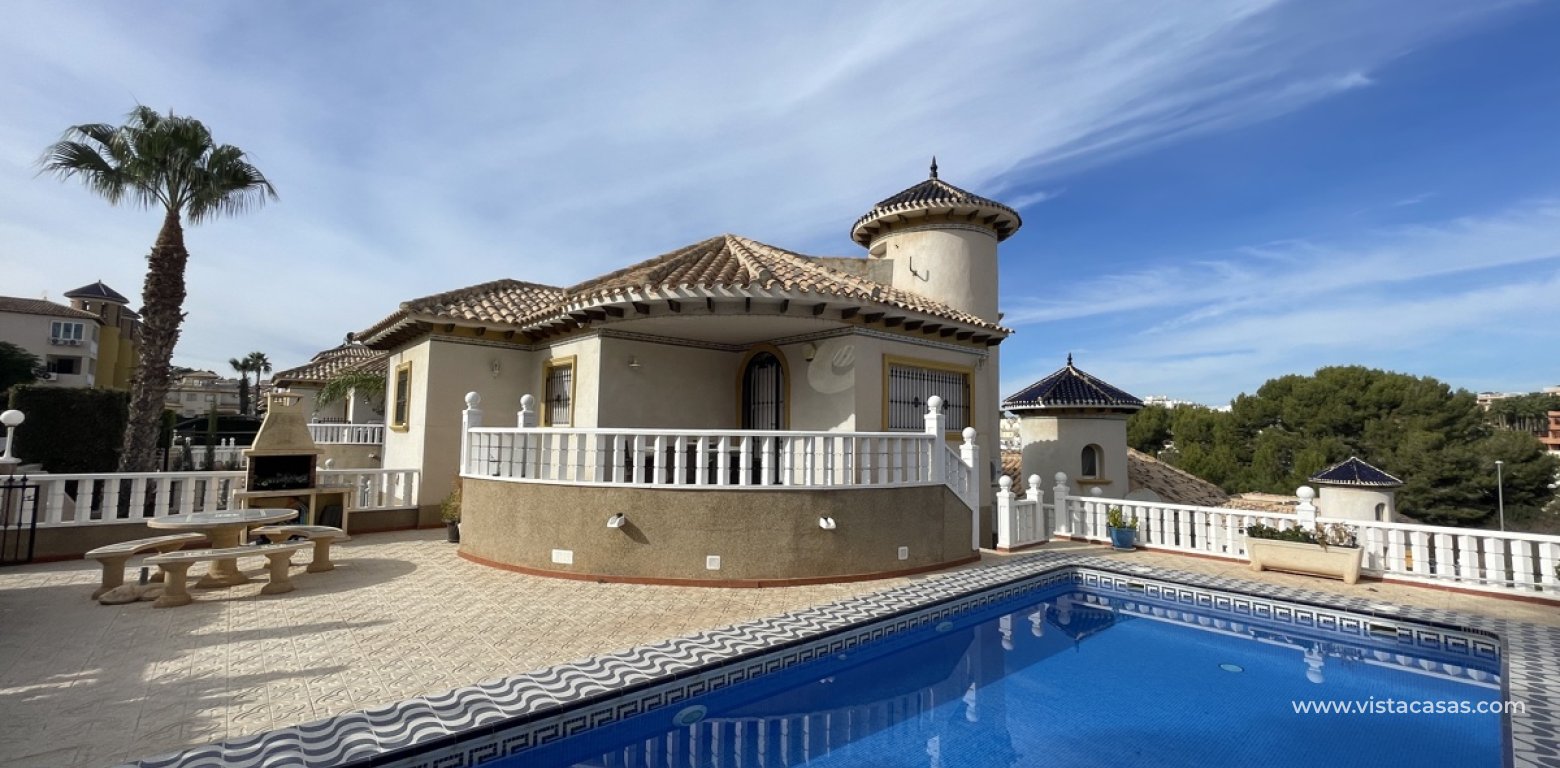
{"type": "Point", "coordinates": [723, 459]}
{"type": "Point", "coordinates": [347, 434]}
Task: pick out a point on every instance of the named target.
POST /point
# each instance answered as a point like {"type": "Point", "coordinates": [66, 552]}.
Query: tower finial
{"type": "Point", "coordinates": [1069, 360]}
{"type": "Point", "coordinates": [934, 166]}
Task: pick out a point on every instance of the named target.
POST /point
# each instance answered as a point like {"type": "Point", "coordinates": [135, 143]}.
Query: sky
{"type": "Point", "coordinates": [1214, 192]}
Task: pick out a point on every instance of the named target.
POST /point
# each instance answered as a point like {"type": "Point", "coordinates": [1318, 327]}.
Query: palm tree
{"type": "Point", "coordinates": [261, 365]}
{"type": "Point", "coordinates": [153, 161]}
{"type": "Point", "coordinates": [243, 366]}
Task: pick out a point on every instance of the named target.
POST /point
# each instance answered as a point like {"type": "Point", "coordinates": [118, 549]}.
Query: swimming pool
{"type": "Point", "coordinates": [537, 713]}
{"type": "Point", "coordinates": [1071, 675]}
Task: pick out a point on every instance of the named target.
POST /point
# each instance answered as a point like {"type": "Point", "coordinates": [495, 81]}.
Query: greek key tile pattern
{"type": "Point", "coordinates": [466, 726]}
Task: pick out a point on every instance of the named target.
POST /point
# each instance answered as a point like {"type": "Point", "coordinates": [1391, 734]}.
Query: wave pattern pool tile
{"type": "Point", "coordinates": [538, 705]}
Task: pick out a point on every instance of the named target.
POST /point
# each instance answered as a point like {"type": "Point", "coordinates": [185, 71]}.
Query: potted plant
{"type": "Point", "coordinates": [449, 511]}
{"type": "Point", "coordinates": [1329, 550]}
{"type": "Point", "coordinates": [1123, 532]}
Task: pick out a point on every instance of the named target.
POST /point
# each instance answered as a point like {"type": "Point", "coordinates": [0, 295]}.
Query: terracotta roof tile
{"type": "Point", "coordinates": [334, 362]}
{"type": "Point", "coordinates": [1171, 484]}
{"type": "Point", "coordinates": [731, 261]}
{"type": "Point", "coordinates": [42, 307]}
{"type": "Point", "coordinates": [500, 302]}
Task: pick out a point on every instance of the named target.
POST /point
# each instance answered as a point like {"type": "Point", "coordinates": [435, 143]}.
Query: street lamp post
{"type": "Point", "coordinates": [1500, 495]}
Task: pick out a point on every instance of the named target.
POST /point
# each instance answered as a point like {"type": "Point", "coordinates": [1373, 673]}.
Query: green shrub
{"type": "Point", "coordinates": [70, 430]}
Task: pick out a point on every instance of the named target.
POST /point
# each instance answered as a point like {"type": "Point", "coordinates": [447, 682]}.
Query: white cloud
{"type": "Point", "coordinates": [1449, 300]}
{"type": "Point", "coordinates": [419, 150]}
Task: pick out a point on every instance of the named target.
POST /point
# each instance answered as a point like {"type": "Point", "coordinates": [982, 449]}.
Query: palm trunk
{"type": "Point", "coordinates": [161, 317]}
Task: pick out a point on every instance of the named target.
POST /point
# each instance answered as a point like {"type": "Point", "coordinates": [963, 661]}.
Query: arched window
{"type": "Point", "coordinates": [763, 393]}
{"type": "Point", "coordinates": [1381, 513]}
{"type": "Point", "coordinates": [1091, 461]}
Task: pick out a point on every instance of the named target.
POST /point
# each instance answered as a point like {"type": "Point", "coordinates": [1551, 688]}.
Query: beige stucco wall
{"type": "Point", "coordinates": [1355, 503]}
{"type": "Point", "coordinates": [957, 266]}
{"type": "Point", "coordinates": [758, 535]}
{"type": "Point", "coordinates": [31, 332]}
{"type": "Point", "coordinates": [346, 456]}
{"type": "Point", "coordinates": [1054, 443]}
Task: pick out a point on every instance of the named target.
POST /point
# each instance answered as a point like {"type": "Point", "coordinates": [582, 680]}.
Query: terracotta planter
{"type": "Point", "coordinates": [1337, 562]}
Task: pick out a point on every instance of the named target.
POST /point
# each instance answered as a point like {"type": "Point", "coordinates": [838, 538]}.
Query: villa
{"type": "Point", "coordinates": [732, 414]}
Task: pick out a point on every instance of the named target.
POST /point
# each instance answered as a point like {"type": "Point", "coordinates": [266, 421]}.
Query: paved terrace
{"type": "Point", "coordinates": [89, 685]}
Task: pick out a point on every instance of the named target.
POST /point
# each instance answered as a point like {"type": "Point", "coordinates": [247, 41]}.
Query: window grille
{"type": "Point", "coordinates": [763, 393]}
{"type": "Point", "coordinates": [908, 388]}
{"type": "Point", "coordinates": [560, 395]}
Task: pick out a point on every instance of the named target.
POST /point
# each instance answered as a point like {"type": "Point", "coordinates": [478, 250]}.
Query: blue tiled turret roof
{"type": "Point", "coordinates": [1353, 471]}
{"type": "Point", "coordinates": [1070, 388]}
{"type": "Point", "coordinates": [99, 291]}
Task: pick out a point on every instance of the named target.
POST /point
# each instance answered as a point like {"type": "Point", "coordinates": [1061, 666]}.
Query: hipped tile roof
{"type": "Point", "coordinates": [500, 302]}
{"type": "Point", "coordinates": [708, 266]}
{"type": "Point", "coordinates": [1171, 484]}
{"type": "Point", "coordinates": [1070, 388]}
{"type": "Point", "coordinates": [334, 362]}
{"type": "Point", "coordinates": [732, 261]}
{"type": "Point", "coordinates": [1353, 471]}
{"type": "Point", "coordinates": [41, 307]}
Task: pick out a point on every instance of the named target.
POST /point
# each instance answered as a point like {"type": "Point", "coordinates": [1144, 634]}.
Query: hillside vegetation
{"type": "Point", "coordinates": [1436, 439]}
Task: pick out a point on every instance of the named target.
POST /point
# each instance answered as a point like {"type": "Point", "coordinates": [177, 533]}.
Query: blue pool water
{"type": "Point", "coordinates": [1069, 677]}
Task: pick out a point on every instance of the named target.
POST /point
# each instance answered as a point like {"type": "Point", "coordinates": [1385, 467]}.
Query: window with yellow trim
{"type": "Point", "coordinates": [402, 408]}
{"type": "Point", "coordinates": [560, 394]}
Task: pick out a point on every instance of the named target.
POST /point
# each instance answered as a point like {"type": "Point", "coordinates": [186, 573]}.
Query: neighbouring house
{"type": "Point", "coordinates": [1551, 436]}
{"type": "Point", "coordinates": [197, 393]}
{"type": "Point", "coordinates": [726, 335]}
{"type": "Point", "coordinates": [91, 343]}
{"type": "Point", "coordinates": [350, 429]}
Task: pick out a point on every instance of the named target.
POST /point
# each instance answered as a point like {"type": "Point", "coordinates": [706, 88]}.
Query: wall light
{"type": "Point", "coordinates": [633, 362]}
{"type": "Point", "coordinates": [494, 367]}
{"type": "Point", "coordinates": [809, 352]}
{"type": "Point", "coordinates": [827, 523]}
{"type": "Point", "coordinates": [616, 521]}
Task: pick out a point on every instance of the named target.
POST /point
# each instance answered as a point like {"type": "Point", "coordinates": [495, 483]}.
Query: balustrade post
{"type": "Point", "coordinates": [469, 419]}
{"type": "Point", "coordinates": [1305, 511]}
{"type": "Point", "coordinates": [1059, 494]}
{"type": "Point", "coordinates": [1042, 520]}
{"type": "Point", "coordinates": [969, 453]}
{"type": "Point", "coordinates": [936, 427]}
{"type": "Point", "coordinates": [1005, 521]}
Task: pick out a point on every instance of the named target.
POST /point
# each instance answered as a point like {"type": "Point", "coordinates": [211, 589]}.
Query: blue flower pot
{"type": "Point", "coordinates": [1123, 539]}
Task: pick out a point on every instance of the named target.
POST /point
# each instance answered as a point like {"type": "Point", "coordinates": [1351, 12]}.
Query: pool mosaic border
{"type": "Point", "coordinates": [465, 726]}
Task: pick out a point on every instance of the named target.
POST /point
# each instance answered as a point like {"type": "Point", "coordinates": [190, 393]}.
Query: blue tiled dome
{"type": "Point", "coordinates": [1071, 388]}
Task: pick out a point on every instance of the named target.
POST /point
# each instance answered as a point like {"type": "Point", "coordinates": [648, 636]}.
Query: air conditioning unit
{"type": "Point", "coordinates": [72, 342]}
{"type": "Point", "coordinates": [46, 376]}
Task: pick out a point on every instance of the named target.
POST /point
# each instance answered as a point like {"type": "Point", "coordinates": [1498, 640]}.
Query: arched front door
{"type": "Point", "coordinates": [763, 393]}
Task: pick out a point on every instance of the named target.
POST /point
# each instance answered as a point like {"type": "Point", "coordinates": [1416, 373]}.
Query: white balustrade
{"type": "Point", "coordinates": [347, 434]}
{"type": "Point", "coordinates": [119, 497]}
{"type": "Point", "coordinates": [717, 459]}
{"type": "Point", "coordinates": [1021, 522]}
{"type": "Point", "coordinates": [1521, 563]}
{"type": "Point", "coordinates": [99, 499]}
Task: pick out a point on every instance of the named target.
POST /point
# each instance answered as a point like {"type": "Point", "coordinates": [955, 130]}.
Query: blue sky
{"type": "Point", "coordinates": [1214, 192]}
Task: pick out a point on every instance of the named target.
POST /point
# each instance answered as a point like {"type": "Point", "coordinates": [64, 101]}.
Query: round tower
{"type": "Point", "coordinates": [1075, 423]}
{"type": "Point", "coordinates": [942, 242]}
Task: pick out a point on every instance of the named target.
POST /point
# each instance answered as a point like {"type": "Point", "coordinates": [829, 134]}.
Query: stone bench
{"type": "Point", "coordinates": [321, 535]}
{"type": "Point", "coordinates": [114, 556]}
{"type": "Point", "coordinates": [176, 568]}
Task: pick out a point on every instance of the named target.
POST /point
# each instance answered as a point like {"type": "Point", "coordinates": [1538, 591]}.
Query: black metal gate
{"type": "Point", "coordinates": [18, 519]}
